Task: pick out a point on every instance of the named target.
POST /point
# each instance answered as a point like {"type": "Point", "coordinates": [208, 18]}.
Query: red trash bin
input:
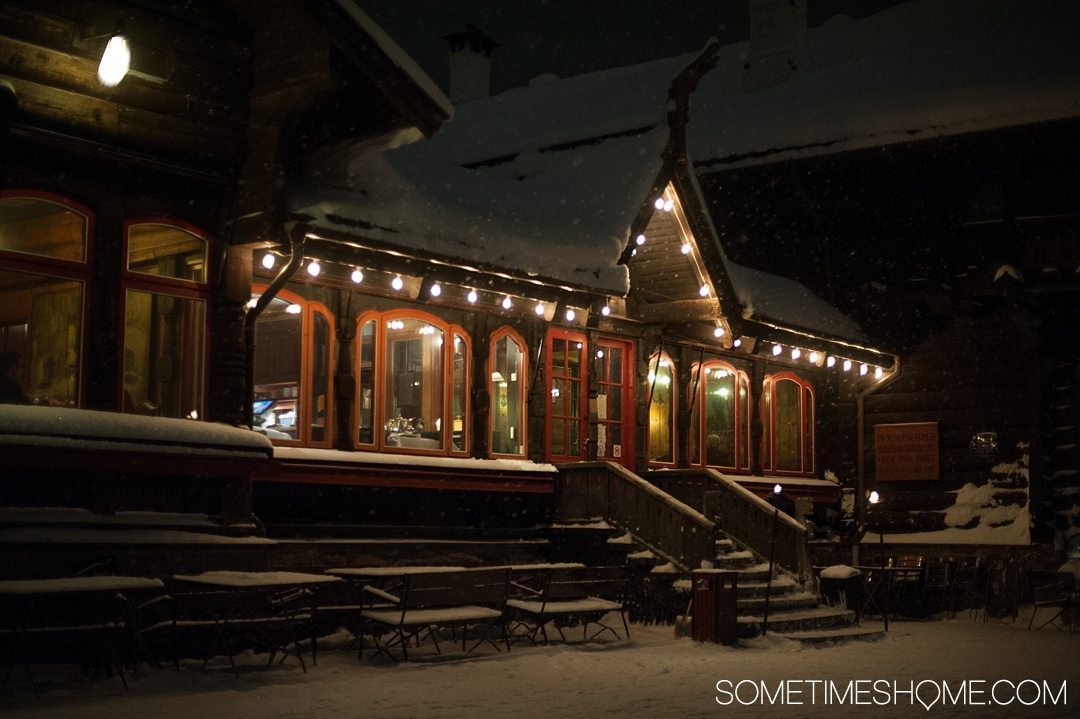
{"type": "Point", "coordinates": [715, 606]}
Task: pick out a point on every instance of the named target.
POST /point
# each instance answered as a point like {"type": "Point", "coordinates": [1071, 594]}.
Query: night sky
{"type": "Point", "coordinates": [568, 37]}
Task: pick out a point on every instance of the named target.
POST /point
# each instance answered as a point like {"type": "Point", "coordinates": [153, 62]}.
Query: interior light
{"type": "Point", "coordinates": [471, 297]}
{"type": "Point", "coordinates": [268, 260]}
{"type": "Point", "coordinates": [436, 290]}
{"type": "Point", "coordinates": [357, 276]}
{"type": "Point", "coordinates": [506, 303]}
{"type": "Point", "coordinates": [397, 283]}
{"type": "Point", "coordinates": [570, 314]}
{"type": "Point", "coordinates": [314, 268]}
{"type": "Point", "coordinates": [686, 248]}
{"type": "Point", "coordinates": [776, 349]}
{"type": "Point", "coordinates": [114, 62]}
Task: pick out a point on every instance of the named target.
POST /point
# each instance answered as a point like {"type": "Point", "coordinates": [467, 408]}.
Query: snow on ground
{"type": "Point", "coordinates": [653, 675]}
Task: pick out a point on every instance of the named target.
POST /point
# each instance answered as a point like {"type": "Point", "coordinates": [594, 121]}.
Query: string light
{"type": "Point", "coordinates": [686, 248]}
{"type": "Point", "coordinates": [605, 310]}
{"type": "Point", "coordinates": [813, 357]}
{"type": "Point", "coordinates": [472, 297]}
{"type": "Point", "coordinates": [878, 373]}
{"type": "Point", "coordinates": [830, 361]}
{"type": "Point", "coordinates": [268, 260]}
{"type": "Point", "coordinates": [704, 291]}
{"type": "Point", "coordinates": [357, 276]}
{"type": "Point", "coordinates": [570, 314]}
{"type": "Point", "coordinates": [506, 303]}
{"type": "Point", "coordinates": [737, 343]}
{"type": "Point", "coordinates": [718, 332]}
{"type": "Point", "coordinates": [314, 268]}
{"type": "Point", "coordinates": [863, 369]}
{"type": "Point", "coordinates": [776, 350]}
{"type": "Point", "coordinates": [640, 239]}
{"type": "Point", "coordinates": [796, 353]}
{"type": "Point", "coordinates": [436, 290]}
{"type": "Point", "coordinates": [539, 309]}
{"type": "Point", "coordinates": [669, 206]}
{"type": "Point", "coordinates": [599, 353]}
{"type": "Point", "coordinates": [397, 283]}
{"type": "Point", "coordinates": [659, 203]}
{"type": "Point", "coordinates": [847, 365]}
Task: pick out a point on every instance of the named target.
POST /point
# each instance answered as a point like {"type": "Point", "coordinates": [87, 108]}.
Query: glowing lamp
{"type": "Point", "coordinates": [115, 62]}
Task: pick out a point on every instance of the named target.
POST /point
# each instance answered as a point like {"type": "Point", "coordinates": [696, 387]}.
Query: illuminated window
{"type": "Point", "coordinates": [44, 245]}
{"type": "Point", "coordinates": [507, 391]}
{"type": "Point", "coordinates": [788, 418]}
{"type": "Point", "coordinates": [413, 383]}
{"type": "Point", "coordinates": [566, 397]}
{"type": "Point", "coordinates": [165, 300]}
{"type": "Point", "coordinates": [661, 398]}
{"type": "Point", "coordinates": [720, 419]}
{"type": "Point", "coordinates": [293, 350]}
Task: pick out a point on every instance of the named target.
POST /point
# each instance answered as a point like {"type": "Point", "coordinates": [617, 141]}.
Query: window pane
{"type": "Point", "coordinates": [459, 436]}
{"type": "Point", "coordinates": [788, 426]}
{"type": "Point", "coordinates": [719, 417]}
{"type": "Point", "coordinates": [320, 377]}
{"type": "Point", "coordinates": [695, 415]}
{"type": "Point", "coordinates": [367, 387]}
{"type": "Point", "coordinates": [277, 369]}
{"type": "Point", "coordinates": [40, 227]}
{"type": "Point", "coordinates": [40, 336]}
{"type": "Point", "coordinates": [164, 338]}
{"type": "Point", "coordinates": [744, 407]}
{"type": "Point", "coordinates": [808, 429]}
{"type": "Point", "coordinates": [166, 251]}
{"type": "Point", "coordinates": [414, 384]}
{"type": "Point", "coordinates": [767, 426]}
{"type": "Point", "coordinates": [661, 426]}
{"type": "Point", "coordinates": [558, 436]}
{"type": "Point", "coordinates": [507, 400]}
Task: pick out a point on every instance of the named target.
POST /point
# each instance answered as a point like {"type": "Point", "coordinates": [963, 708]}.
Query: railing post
{"type": "Point", "coordinates": [768, 577]}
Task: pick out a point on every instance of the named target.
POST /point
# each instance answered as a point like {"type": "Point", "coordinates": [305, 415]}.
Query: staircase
{"type": "Point", "coordinates": [676, 538]}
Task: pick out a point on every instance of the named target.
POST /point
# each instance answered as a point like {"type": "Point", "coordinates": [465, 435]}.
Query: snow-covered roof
{"type": "Point", "coordinates": [921, 69]}
{"type": "Point", "coordinates": [542, 181]}
{"type": "Point", "coordinates": [397, 56]}
{"type": "Point", "coordinates": [771, 298]}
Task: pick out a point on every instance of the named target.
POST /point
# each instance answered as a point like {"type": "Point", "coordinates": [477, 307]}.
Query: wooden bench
{"type": "Point", "coordinates": [569, 596]}
{"type": "Point", "coordinates": [425, 601]}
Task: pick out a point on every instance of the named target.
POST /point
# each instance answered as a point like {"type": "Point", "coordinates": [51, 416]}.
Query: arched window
{"type": "Point", "coordinates": [44, 273]}
{"type": "Point", "coordinates": [661, 399]}
{"type": "Point", "coordinates": [293, 351]}
{"type": "Point", "coordinates": [788, 418]}
{"type": "Point", "coordinates": [166, 292]}
{"type": "Point", "coordinates": [720, 420]}
{"type": "Point", "coordinates": [412, 371]}
{"type": "Point", "coordinates": [507, 389]}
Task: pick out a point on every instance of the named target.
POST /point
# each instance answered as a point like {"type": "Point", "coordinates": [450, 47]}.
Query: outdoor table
{"type": "Point", "coordinates": [880, 583]}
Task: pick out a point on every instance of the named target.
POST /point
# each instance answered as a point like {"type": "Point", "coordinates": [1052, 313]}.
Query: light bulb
{"type": "Point", "coordinates": [796, 353]}
{"type": "Point", "coordinates": [686, 248]}
{"type": "Point", "coordinates": [640, 239]}
{"type": "Point", "coordinates": [863, 369]}
{"type": "Point", "coordinates": [114, 62]}
{"type": "Point", "coordinates": [847, 365]}
{"type": "Point", "coordinates": [435, 290]}
{"type": "Point", "coordinates": [605, 310]}
{"type": "Point", "coordinates": [659, 204]}
{"type": "Point", "coordinates": [737, 343]}
{"type": "Point", "coordinates": [599, 354]}
{"type": "Point", "coordinates": [357, 276]}
{"type": "Point", "coordinates": [669, 206]}
{"type": "Point", "coordinates": [268, 260]}
{"type": "Point", "coordinates": [314, 268]}
{"type": "Point", "coordinates": [570, 314]}
{"type": "Point", "coordinates": [471, 297]}
{"type": "Point", "coordinates": [813, 357]}
{"type": "Point", "coordinates": [506, 303]}
{"type": "Point", "coordinates": [704, 291]}
{"type": "Point", "coordinates": [718, 332]}
{"type": "Point", "coordinates": [294, 309]}
{"type": "Point", "coordinates": [777, 489]}
{"type": "Point", "coordinates": [830, 361]}
{"type": "Point", "coordinates": [776, 350]}
{"type": "Point", "coordinates": [878, 373]}
{"type": "Point", "coordinates": [539, 309]}
{"type": "Point", "coordinates": [397, 283]}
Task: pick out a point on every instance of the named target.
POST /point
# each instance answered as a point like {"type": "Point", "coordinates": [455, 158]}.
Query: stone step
{"type": "Point", "coordinates": [735, 560]}
{"type": "Point", "coordinates": [835, 635]}
{"type": "Point", "coordinates": [797, 600]}
{"type": "Point", "coordinates": [724, 545]}
{"type": "Point", "coordinates": [797, 620]}
{"type": "Point", "coordinates": [777, 587]}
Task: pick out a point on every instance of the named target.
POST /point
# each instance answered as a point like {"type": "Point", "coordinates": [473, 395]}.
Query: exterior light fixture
{"type": "Point", "coordinates": [506, 303]}
{"type": "Point", "coordinates": [435, 290]}
{"type": "Point", "coordinates": [115, 62]}
{"type": "Point", "coordinates": [874, 498]}
{"type": "Point", "coordinates": [314, 268]}
{"type": "Point", "coordinates": [570, 314]}
{"type": "Point", "coordinates": [268, 260]}
{"type": "Point", "coordinates": [776, 350]}
{"type": "Point", "coordinates": [357, 276]}
{"type": "Point", "coordinates": [397, 283]}
{"type": "Point", "coordinates": [472, 297]}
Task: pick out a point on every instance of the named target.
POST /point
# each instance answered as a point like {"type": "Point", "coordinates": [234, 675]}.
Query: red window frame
{"type": "Point", "coordinates": [625, 383]}
{"type": "Point", "coordinates": [583, 394]}
{"type": "Point", "coordinates": [807, 420]}
{"type": "Point", "coordinates": [61, 269]}
{"type": "Point", "coordinates": [740, 420]}
{"type": "Point", "coordinates": [673, 412]}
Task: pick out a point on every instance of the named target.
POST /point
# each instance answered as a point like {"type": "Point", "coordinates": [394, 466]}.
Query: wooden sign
{"type": "Point", "coordinates": [906, 451]}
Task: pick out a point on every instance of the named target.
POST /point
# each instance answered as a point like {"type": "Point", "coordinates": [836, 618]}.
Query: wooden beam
{"type": "Point", "coordinates": [706, 309]}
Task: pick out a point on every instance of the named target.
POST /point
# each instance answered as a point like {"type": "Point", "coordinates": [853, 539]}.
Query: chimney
{"type": "Point", "coordinates": [470, 64]}
{"type": "Point", "coordinates": [777, 35]}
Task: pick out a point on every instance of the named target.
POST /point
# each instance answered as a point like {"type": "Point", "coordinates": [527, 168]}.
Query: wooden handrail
{"type": "Point", "coordinates": [741, 515]}
{"type": "Point", "coordinates": [667, 526]}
